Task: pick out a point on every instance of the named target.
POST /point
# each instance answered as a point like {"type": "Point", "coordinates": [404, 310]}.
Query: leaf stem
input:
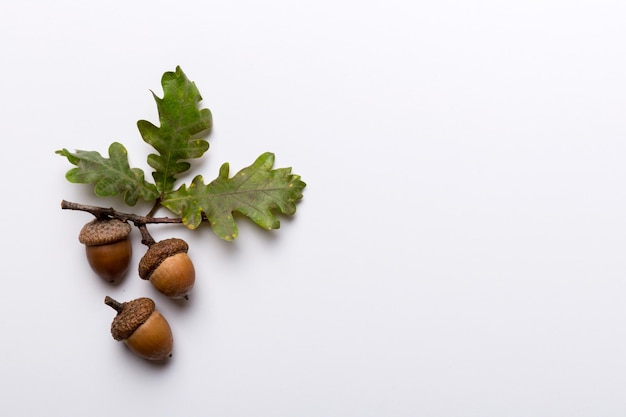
{"type": "Point", "coordinates": [157, 205]}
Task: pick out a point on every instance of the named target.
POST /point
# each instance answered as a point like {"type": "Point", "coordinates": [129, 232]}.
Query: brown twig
{"type": "Point", "coordinates": [110, 212]}
{"type": "Point", "coordinates": [146, 237]}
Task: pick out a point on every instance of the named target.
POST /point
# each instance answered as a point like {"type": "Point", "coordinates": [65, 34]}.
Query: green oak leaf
{"type": "Point", "coordinates": [174, 139]}
{"type": "Point", "coordinates": [111, 176]}
{"type": "Point", "coordinates": [255, 191]}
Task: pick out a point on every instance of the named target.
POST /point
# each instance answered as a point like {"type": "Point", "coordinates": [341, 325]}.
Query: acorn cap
{"type": "Point", "coordinates": [132, 315]}
{"type": "Point", "coordinates": [102, 232]}
{"type": "Point", "coordinates": [158, 252]}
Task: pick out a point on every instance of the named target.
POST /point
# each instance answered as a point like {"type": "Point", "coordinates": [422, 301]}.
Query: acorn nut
{"type": "Point", "coordinates": [108, 247]}
{"type": "Point", "coordinates": [169, 268]}
{"type": "Point", "coordinates": [142, 328]}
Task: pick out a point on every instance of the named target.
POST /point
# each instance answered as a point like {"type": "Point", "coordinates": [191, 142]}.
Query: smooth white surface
{"type": "Point", "coordinates": [459, 250]}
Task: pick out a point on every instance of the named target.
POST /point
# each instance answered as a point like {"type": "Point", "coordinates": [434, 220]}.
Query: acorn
{"type": "Point", "coordinates": [168, 267]}
{"type": "Point", "coordinates": [108, 247]}
{"type": "Point", "coordinates": [142, 328]}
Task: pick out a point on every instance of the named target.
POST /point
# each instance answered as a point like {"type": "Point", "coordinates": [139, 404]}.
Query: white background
{"type": "Point", "coordinates": [459, 250]}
